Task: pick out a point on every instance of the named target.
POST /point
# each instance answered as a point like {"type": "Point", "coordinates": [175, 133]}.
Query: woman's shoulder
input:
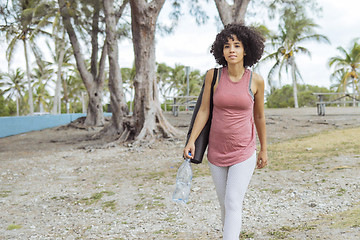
{"type": "Point", "coordinates": [209, 75]}
{"type": "Point", "coordinates": [257, 78]}
{"type": "Point", "coordinates": [210, 72]}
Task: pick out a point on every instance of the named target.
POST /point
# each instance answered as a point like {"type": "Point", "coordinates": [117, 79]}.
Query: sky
{"type": "Point", "coordinates": [189, 44]}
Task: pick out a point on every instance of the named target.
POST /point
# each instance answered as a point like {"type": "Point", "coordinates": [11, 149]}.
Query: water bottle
{"type": "Point", "coordinates": [183, 182]}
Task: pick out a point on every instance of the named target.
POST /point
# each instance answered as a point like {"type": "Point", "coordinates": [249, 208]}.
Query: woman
{"type": "Point", "coordinates": [238, 103]}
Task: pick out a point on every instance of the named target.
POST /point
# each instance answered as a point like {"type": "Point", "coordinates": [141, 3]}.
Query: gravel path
{"type": "Point", "coordinates": [54, 185]}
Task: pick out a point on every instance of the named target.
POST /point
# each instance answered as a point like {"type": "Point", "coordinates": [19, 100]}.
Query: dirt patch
{"type": "Point", "coordinates": [54, 184]}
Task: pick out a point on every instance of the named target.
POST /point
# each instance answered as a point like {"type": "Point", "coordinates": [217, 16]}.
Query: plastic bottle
{"type": "Point", "coordinates": [183, 182]}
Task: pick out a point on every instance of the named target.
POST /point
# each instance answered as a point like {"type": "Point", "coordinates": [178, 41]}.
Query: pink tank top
{"type": "Point", "coordinates": [232, 136]}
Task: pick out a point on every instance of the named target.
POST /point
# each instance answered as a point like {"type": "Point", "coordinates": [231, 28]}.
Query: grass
{"type": "Point", "coordinates": [96, 197]}
{"type": "Point", "coordinates": [246, 235]}
{"type": "Point", "coordinates": [13, 227]}
{"type": "Point", "coordinates": [347, 219]}
{"type": "Point", "coordinates": [110, 204]}
{"type": "Point", "coordinates": [294, 154]}
{"type": "Point", "coordinates": [4, 194]}
{"type": "Point", "coordinates": [153, 202]}
{"type": "Point", "coordinates": [343, 220]}
{"type": "Point", "coordinates": [284, 231]}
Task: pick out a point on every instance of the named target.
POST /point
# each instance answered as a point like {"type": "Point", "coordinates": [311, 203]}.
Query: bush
{"type": "Point", "coordinates": [284, 97]}
{"type": "Point", "coordinates": [7, 107]}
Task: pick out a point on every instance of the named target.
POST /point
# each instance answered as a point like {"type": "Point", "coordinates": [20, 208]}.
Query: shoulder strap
{"type": "Point", "coordinates": [219, 74]}
{"type": "Point", "coordinates": [250, 91]}
{"type": "Point", "coordinates": [212, 91]}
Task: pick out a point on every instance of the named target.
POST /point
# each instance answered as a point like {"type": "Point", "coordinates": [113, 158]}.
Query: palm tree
{"type": "Point", "coordinates": [346, 67]}
{"type": "Point", "coordinates": [14, 86]}
{"type": "Point", "coordinates": [294, 29]}
{"type": "Point", "coordinates": [61, 56]}
{"type": "Point", "coordinates": [25, 25]}
{"type": "Point", "coordinates": [195, 83]}
{"type": "Point", "coordinates": [127, 75]}
{"type": "Point", "coordinates": [162, 78]}
{"type": "Point", "coordinates": [177, 79]}
{"type": "Point", "coordinates": [73, 87]}
{"type": "Point", "coordinates": [43, 74]}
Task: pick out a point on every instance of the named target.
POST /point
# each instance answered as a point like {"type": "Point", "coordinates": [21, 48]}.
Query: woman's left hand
{"type": "Point", "coordinates": [261, 159]}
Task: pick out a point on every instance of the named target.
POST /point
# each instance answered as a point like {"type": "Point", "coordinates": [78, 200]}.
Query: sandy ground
{"type": "Point", "coordinates": [55, 184]}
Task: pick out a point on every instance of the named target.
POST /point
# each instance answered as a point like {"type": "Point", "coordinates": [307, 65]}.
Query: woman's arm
{"type": "Point", "coordinates": [259, 118]}
{"type": "Point", "coordinates": [201, 117]}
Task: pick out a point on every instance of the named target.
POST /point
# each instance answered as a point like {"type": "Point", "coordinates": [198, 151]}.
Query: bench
{"type": "Point", "coordinates": [320, 105]}
{"type": "Point", "coordinates": [176, 107]}
{"type": "Point", "coordinates": [187, 102]}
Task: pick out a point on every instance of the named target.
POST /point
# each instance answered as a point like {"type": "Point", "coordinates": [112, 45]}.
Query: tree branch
{"type": "Point", "coordinates": [80, 63]}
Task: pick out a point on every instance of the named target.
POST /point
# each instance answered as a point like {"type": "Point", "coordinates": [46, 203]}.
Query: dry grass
{"type": "Point", "coordinates": [296, 153]}
{"type": "Point", "coordinates": [346, 219]}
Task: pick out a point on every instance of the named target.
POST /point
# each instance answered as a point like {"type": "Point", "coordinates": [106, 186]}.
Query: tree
{"type": "Point", "coordinates": [93, 79]}
{"type": "Point", "coordinates": [128, 75]}
{"type": "Point", "coordinates": [163, 79]}
{"type": "Point", "coordinates": [14, 86]}
{"type": "Point", "coordinates": [172, 81]}
{"type": "Point", "coordinates": [235, 11]}
{"type": "Point", "coordinates": [176, 80]}
{"type": "Point", "coordinates": [117, 98]}
{"type": "Point", "coordinates": [195, 83]}
{"type": "Point", "coordinates": [42, 74]}
{"type": "Point", "coordinates": [347, 67]}
{"type": "Point", "coordinates": [73, 89]}
{"type": "Point", "coordinates": [284, 96]}
{"type": "Point", "coordinates": [22, 20]}
{"type": "Point", "coordinates": [59, 57]}
{"type": "Point", "coordinates": [148, 118]}
{"type": "Point", "coordinates": [7, 106]}
{"type": "Point", "coordinates": [294, 29]}
{"type": "Point", "coordinates": [232, 13]}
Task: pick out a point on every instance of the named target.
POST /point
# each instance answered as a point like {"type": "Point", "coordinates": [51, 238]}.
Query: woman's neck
{"type": "Point", "coordinates": [236, 71]}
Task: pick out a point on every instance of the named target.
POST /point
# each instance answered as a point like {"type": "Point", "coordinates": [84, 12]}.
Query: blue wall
{"type": "Point", "coordinates": [16, 125]}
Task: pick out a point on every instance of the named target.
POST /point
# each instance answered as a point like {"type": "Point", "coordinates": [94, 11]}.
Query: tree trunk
{"type": "Point", "coordinates": [57, 106]}
{"type": "Point", "coordinates": [232, 13]}
{"type": "Point", "coordinates": [94, 87]}
{"type": "Point", "coordinates": [66, 96]}
{"type": "Point", "coordinates": [17, 105]}
{"type": "Point", "coordinates": [148, 116]}
{"type": "Point", "coordinates": [31, 101]}
{"type": "Point", "coordinates": [293, 74]}
{"type": "Point", "coordinates": [117, 97]}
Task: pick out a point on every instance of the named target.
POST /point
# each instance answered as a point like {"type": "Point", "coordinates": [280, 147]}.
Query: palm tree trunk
{"type": "Point", "coordinates": [293, 74]}
{"type": "Point", "coordinates": [57, 106]}
{"type": "Point", "coordinates": [31, 101]}
{"type": "Point", "coordinates": [17, 104]}
{"type": "Point", "coordinates": [66, 97]}
{"type": "Point", "coordinates": [354, 92]}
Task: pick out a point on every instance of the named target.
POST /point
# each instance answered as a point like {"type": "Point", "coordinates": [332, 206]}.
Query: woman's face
{"type": "Point", "coordinates": [233, 51]}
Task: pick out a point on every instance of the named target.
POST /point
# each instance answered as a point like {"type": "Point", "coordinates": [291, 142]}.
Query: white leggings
{"type": "Point", "coordinates": [231, 184]}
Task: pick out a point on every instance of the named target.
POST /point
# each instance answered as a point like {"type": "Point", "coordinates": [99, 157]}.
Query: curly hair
{"type": "Point", "coordinates": [252, 40]}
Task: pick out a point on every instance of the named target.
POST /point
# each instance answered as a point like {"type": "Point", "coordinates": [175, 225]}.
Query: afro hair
{"type": "Point", "coordinates": [251, 39]}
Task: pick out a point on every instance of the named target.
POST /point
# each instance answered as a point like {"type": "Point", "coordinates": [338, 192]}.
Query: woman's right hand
{"type": "Point", "coordinates": [190, 147]}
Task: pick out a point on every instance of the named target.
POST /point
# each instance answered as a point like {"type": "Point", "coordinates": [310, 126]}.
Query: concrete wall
{"type": "Point", "coordinates": [16, 125]}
